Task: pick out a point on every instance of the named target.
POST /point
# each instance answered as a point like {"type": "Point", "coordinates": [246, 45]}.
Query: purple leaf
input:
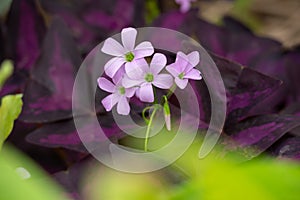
{"type": "Point", "coordinates": [241, 46]}
{"type": "Point", "coordinates": [25, 31]}
{"type": "Point", "coordinates": [288, 148]}
{"type": "Point", "coordinates": [48, 96]}
{"type": "Point", "coordinates": [293, 109]}
{"type": "Point", "coordinates": [2, 48]}
{"type": "Point", "coordinates": [93, 21]}
{"type": "Point", "coordinates": [14, 84]}
{"type": "Point", "coordinates": [251, 88]}
{"type": "Point", "coordinates": [256, 134]}
{"type": "Point", "coordinates": [292, 64]}
{"type": "Point", "coordinates": [245, 88]}
{"type": "Point", "coordinates": [171, 20]}
{"type": "Point", "coordinates": [64, 134]}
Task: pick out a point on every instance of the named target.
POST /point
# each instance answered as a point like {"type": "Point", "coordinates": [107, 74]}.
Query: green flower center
{"type": "Point", "coordinates": [122, 90]}
{"type": "Point", "coordinates": [129, 57]}
{"type": "Point", "coordinates": [181, 75]}
{"type": "Point", "coordinates": [149, 77]}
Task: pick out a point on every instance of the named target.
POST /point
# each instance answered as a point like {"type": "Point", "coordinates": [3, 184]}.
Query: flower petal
{"type": "Point", "coordinates": [130, 92]}
{"type": "Point", "coordinates": [123, 106]}
{"type": "Point", "coordinates": [194, 58]}
{"type": "Point", "coordinates": [181, 83]}
{"type": "Point", "coordinates": [172, 69]}
{"type": "Point", "coordinates": [118, 76]}
{"type": "Point", "coordinates": [128, 38]}
{"type": "Point", "coordinates": [113, 65]}
{"type": "Point", "coordinates": [142, 50]}
{"type": "Point", "coordinates": [194, 74]}
{"type": "Point", "coordinates": [158, 62]}
{"type": "Point", "coordinates": [113, 47]}
{"type": "Point", "coordinates": [146, 93]}
{"type": "Point", "coordinates": [182, 55]}
{"type": "Point", "coordinates": [181, 61]}
{"type": "Point", "coordinates": [128, 82]}
{"type": "Point", "coordinates": [109, 101]}
{"type": "Point", "coordinates": [106, 85]}
{"type": "Point", "coordinates": [137, 68]}
{"type": "Point", "coordinates": [163, 81]}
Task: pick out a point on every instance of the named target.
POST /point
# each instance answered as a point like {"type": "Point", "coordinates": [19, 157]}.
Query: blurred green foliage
{"type": "Point", "coordinates": [11, 105]}
{"type": "Point", "coordinates": [152, 11]}
{"type": "Point", "coordinates": [242, 11]}
{"type": "Point", "coordinates": [13, 186]}
{"type": "Point", "coordinates": [4, 7]}
{"type": "Point", "coordinates": [212, 178]}
{"type": "Point", "coordinates": [6, 71]}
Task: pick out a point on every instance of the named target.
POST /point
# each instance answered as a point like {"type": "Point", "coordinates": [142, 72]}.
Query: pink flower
{"type": "Point", "coordinates": [143, 76]}
{"type": "Point", "coordinates": [183, 68]}
{"type": "Point", "coordinates": [119, 95]}
{"type": "Point", "coordinates": [185, 5]}
{"type": "Point", "coordinates": [127, 53]}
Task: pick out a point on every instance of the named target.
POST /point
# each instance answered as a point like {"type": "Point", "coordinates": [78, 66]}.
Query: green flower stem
{"type": "Point", "coordinates": [171, 91]}
{"type": "Point", "coordinates": [154, 92]}
{"type": "Point", "coordinates": [143, 114]}
{"type": "Point", "coordinates": [149, 128]}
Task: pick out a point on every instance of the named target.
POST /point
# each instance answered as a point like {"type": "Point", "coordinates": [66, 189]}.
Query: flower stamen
{"type": "Point", "coordinates": [149, 77]}
{"type": "Point", "coordinates": [122, 90]}
{"type": "Point", "coordinates": [181, 75]}
{"type": "Point", "coordinates": [129, 57]}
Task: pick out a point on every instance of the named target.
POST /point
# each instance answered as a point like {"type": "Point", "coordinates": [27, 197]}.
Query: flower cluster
{"type": "Point", "coordinates": [132, 75]}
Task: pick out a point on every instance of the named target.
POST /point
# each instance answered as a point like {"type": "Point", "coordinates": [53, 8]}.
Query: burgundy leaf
{"type": "Point", "coordinates": [256, 134]}
{"type": "Point", "coordinates": [246, 88]}
{"type": "Point", "coordinates": [15, 84]}
{"type": "Point", "coordinates": [241, 46]}
{"type": "Point", "coordinates": [93, 21]}
{"type": "Point", "coordinates": [293, 109]}
{"type": "Point", "coordinates": [288, 148]}
{"type": "Point", "coordinates": [48, 96]}
{"type": "Point", "coordinates": [64, 134]}
{"type": "Point", "coordinates": [2, 47]}
{"type": "Point", "coordinates": [25, 31]}
{"type": "Point", "coordinates": [292, 63]}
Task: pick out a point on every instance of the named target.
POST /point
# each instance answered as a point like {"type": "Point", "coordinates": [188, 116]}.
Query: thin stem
{"type": "Point", "coordinates": [171, 91]}
{"type": "Point", "coordinates": [143, 114]}
{"type": "Point", "coordinates": [154, 92]}
{"type": "Point", "coordinates": [149, 128]}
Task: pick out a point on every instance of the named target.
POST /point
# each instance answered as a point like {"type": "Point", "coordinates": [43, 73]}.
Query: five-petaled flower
{"type": "Point", "coordinates": [183, 68]}
{"type": "Point", "coordinates": [119, 95]}
{"type": "Point", "coordinates": [143, 76]}
{"type": "Point", "coordinates": [126, 54]}
{"type": "Point", "coordinates": [131, 74]}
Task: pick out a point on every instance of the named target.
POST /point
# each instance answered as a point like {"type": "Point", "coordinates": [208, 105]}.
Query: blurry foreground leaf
{"type": "Point", "coordinates": [109, 184]}
{"type": "Point", "coordinates": [14, 186]}
{"type": "Point", "coordinates": [152, 11]}
{"type": "Point", "coordinates": [4, 7]}
{"type": "Point", "coordinates": [212, 178]}
{"type": "Point", "coordinates": [6, 71]}
{"type": "Point", "coordinates": [11, 106]}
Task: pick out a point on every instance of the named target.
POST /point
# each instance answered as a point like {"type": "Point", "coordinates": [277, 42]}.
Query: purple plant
{"type": "Point", "coordinates": [47, 48]}
{"type": "Point", "coordinates": [142, 78]}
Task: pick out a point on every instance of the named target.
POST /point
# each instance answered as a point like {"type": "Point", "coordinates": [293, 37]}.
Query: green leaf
{"type": "Point", "coordinates": [11, 106]}
{"type": "Point", "coordinates": [6, 71]}
{"type": "Point", "coordinates": [215, 177]}
{"type": "Point", "coordinates": [152, 11]}
{"type": "Point", "coordinates": [4, 7]}
{"type": "Point", "coordinates": [37, 186]}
